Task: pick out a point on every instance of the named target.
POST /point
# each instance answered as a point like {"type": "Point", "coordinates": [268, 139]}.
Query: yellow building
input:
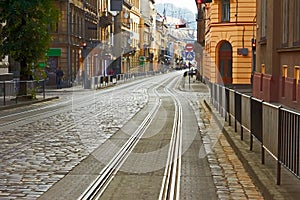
{"type": "Point", "coordinates": [227, 53]}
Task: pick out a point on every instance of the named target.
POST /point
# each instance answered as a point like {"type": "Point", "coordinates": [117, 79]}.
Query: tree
{"type": "Point", "coordinates": [25, 33]}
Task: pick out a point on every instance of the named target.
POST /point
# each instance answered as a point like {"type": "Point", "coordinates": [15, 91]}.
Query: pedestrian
{"type": "Point", "coordinates": [59, 76]}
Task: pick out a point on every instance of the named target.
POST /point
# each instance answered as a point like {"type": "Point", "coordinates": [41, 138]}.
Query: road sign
{"type": "Point", "coordinates": [189, 47]}
{"type": "Point", "coordinates": [189, 55]}
{"type": "Point", "coordinates": [142, 58]}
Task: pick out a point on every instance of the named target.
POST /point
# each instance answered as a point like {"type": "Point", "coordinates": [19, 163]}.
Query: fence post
{"type": "Point", "coordinates": [262, 140]}
{"type": "Point", "coordinates": [4, 93]}
{"type": "Point", "coordinates": [220, 99]}
{"type": "Point", "coordinates": [226, 103]}
{"type": "Point", "coordinates": [229, 119]}
{"type": "Point", "coordinates": [251, 136]}
{"type": "Point", "coordinates": [279, 146]}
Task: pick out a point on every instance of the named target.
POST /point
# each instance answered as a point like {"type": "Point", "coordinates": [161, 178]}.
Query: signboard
{"type": "Point", "coordinates": [53, 52]}
{"type": "Point", "coordinates": [142, 58]}
{"type": "Point", "coordinates": [189, 55]}
{"type": "Point", "coordinates": [189, 47]}
{"type": "Point", "coordinates": [116, 5]}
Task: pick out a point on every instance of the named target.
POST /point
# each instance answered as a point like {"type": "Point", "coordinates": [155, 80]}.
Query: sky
{"type": "Point", "coordinates": [189, 4]}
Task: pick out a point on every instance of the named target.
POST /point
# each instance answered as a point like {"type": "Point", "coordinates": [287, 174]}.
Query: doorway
{"type": "Point", "coordinates": [225, 63]}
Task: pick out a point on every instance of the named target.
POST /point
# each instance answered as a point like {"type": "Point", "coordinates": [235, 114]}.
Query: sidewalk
{"type": "Point", "coordinates": [262, 175]}
{"type": "Point", "coordinates": [50, 94]}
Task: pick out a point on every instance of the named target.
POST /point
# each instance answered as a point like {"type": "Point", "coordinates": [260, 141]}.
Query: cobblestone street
{"type": "Point", "coordinates": [36, 155]}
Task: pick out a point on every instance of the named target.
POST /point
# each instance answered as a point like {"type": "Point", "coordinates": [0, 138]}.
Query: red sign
{"type": "Point", "coordinates": [189, 47]}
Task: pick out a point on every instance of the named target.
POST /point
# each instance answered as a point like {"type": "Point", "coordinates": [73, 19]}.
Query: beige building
{"type": "Point", "coordinates": [161, 43]}
{"type": "Point", "coordinates": [225, 29]}
{"type": "Point", "coordinates": [148, 14]}
{"type": "Point", "coordinates": [78, 23]}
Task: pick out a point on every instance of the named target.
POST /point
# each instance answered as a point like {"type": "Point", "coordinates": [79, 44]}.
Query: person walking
{"type": "Point", "coordinates": [59, 76]}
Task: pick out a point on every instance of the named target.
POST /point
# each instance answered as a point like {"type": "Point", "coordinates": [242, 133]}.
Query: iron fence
{"type": "Point", "coordinates": [15, 90]}
{"type": "Point", "coordinates": [277, 129]}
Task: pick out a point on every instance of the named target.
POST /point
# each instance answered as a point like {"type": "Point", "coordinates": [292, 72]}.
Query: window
{"type": "Point", "coordinates": [263, 68]}
{"type": "Point", "coordinates": [53, 28]}
{"type": "Point", "coordinates": [297, 23]}
{"type": "Point", "coordinates": [284, 75]}
{"type": "Point", "coordinates": [262, 77]}
{"type": "Point", "coordinates": [285, 22]}
{"type": "Point", "coordinates": [284, 71]}
{"type": "Point", "coordinates": [225, 11]}
{"type": "Point", "coordinates": [296, 77]}
{"type": "Point", "coordinates": [263, 18]}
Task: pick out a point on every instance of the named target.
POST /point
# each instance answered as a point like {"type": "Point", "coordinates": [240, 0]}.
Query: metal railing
{"type": "Point", "coordinates": [277, 129]}
{"type": "Point", "coordinates": [10, 91]}
{"type": "Point", "coordinates": [96, 82]}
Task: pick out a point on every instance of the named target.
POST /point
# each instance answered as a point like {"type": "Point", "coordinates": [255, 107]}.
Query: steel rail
{"type": "Point", "coordinates": [170, 188]}
{"type": "Point", "coordinates": [98, 186]}
{"type": "Point", "coordinates": [10, 152]}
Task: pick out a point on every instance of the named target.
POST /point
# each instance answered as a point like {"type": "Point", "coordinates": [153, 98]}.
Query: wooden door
{"type": "Point", "coordinates": [225, 63]}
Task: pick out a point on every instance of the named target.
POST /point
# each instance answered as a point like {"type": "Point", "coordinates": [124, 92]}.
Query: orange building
{"type": "Point", "coordinates": [225, 31]}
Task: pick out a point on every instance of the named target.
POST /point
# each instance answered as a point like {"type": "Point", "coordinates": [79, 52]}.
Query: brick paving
{"type": "Point", "coordinates": [230, 177]}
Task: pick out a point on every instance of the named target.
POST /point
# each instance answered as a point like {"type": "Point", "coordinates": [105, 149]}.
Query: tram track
{"type": "Point", "coordinates": [98, 186]}
{"type": "Point", "coordinates": [171, 180]}
{"type": "Point", "coordinates": [170, 188]}
{"type": "Point", "coordinates": [60, 109]}
{"type": "Point", "coordinates": [95, 190]}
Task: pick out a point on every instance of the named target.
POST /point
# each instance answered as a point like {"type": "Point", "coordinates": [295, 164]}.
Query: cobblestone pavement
{"type": "Point", "coordinates": [230, 177]}
{"type": "Point", "coordinates": [35, 156]}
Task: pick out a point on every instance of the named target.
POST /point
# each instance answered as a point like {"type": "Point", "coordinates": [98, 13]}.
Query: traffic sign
{"type": "Point", "coordinates": [189, 47]}
{"type": "Point", "coordinates": [142, 58]}
{"type": "Point", "coordinates": [189, 55]}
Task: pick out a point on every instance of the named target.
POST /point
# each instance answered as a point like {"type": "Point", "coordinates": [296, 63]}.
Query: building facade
{"type": "Point", "coordinates": [3, 62]}
{"type": "Point", "coordinates": [277, 72]}
{"type": "Point", "coordinates": [225, 31]}
{"type": "Point", "coordinates": [78, 24]}
{"type": "Point", "coordinates": [148, 15]}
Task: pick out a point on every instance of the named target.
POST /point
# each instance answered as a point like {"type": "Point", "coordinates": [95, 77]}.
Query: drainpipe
{"type": "Point", "coordinates": [253, 52]}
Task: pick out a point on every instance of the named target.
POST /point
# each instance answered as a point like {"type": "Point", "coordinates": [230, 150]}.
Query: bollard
{"type": "Point", "coordinates": [44, 94]}
{"type": "Point", "coordinates": [4, 91]}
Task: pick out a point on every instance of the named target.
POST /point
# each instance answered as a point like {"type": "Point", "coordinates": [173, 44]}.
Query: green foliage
{"type": "Point", "coordinates": [25, 34]}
